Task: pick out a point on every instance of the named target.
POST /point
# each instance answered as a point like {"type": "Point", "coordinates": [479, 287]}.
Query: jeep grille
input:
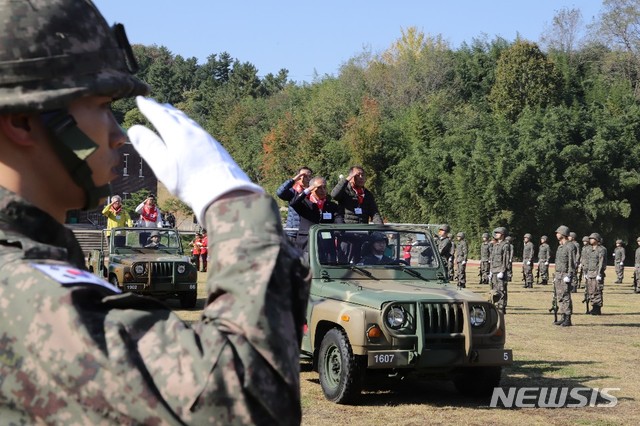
{"type": "Point", "coordinates": [443, 318]}
{"type": "Point", "coordinates": [161, 271]}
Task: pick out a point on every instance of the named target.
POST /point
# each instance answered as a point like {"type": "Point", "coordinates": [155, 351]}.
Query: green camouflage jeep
{"type": "Point", "coordinates": [146, 261]}
{"type": "Point", "coordinates": [380, 306]}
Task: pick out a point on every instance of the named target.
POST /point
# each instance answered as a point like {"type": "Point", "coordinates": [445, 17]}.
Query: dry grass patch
{"type": "Point", "coordinates": [597, 352]}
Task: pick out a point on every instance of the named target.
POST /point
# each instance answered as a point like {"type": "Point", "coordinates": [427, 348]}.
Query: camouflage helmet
{"type": "Point", "coordinates": [500, 230]}
{"type": "Point", "coordinates": [595, 236]}
{"type": "Point", "coordinates": [460, 235]}
{"type": "Point", "coordinates": [573, 235]}
{"type": "Point", "coordinates": [563, 230]}
{"type": "Point", "coordinates": [585, 239]}
{"type": "Point", "coordinates": [444, 227]}
{"type": "Point", "coordinates": [619, 242]}
{"type": "Point", "coordinates": [544, 238]}
{"type": "Point", "coordinates": [508, 238]}
{"type": "Point", "coordinates": [61, 50]}
{"type": "Point", "coordinates": [638, 239]}
{"type": "Point", "coordinates": [527, 236]}
{"type": "Point", "coordinates": [486, 235]}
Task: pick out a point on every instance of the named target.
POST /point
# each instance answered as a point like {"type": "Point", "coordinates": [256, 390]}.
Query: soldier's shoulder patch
{"type": "Point", "coordinates": [68, 275]}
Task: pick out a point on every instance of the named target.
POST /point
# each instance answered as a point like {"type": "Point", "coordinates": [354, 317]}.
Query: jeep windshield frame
{"type": "Point", "coordinates": [139, 240]}
{"type": "Point", "coordinates": [385, 251]}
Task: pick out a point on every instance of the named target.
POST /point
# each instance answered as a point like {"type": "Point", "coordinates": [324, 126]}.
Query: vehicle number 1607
{"type": "Point", "coordinates": [384, 358]}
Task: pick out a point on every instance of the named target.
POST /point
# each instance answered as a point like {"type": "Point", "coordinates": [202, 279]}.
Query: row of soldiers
{"type": "Point", "coordinates": [572, 264]}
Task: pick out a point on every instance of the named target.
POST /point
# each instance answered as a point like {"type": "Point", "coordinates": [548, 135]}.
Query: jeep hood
{"type": "Point", "coordinates": [131, 259]}
{"type": "Point", "coordinates": [374, 294]}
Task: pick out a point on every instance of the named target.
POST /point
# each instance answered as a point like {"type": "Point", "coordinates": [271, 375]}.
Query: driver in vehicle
{"type": "Point", "coordinates": [375, 253]}
{"type": "Point", "coordinates": [154, 241]}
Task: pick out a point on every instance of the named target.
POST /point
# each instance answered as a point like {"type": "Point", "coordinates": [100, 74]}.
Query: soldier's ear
{"type": "Point", "coordinates": [18, 128]}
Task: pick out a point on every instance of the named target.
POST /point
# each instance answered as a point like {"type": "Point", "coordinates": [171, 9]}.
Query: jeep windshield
{"type": "Point", "coordinates": [376, 247]}
{"type": "Point", "coordinates": [144, 240]}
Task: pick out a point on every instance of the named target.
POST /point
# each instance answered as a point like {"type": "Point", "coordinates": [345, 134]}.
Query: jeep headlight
{"type": "Point", "coordinates": [396, 317]}
{"type": "Point", "coordinates": [138, 269]}
{"type": "Point", "coordinates": [478, 316]}
{"type": "Point", "coordinates": [182, 268]}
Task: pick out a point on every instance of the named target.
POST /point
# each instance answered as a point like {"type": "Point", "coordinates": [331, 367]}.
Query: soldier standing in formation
{"type": "Point", "coordinates": [508, 240]}
{"type": "Point", "coordinates": [565, 267]}
{"type": "Point", "coordinates": [573, 243]}
{"type": "Point", "coordinates": [528, 253]}
{"type": "Point", "coordinates": [75, 349]}
{"type": "Point", "coordinates": [593, 268]}
{"type": "Point", "coordinates": [461, 259]}
{"type": "Point", "coordinates": [485, 254]}
{"type": "Point", "coordinates": [544, 254]}
{"type": "Point", "coordinates": [618, 260]}
{"type": "Point", "coordinates": [636, 270]}
{"type": "Point", "coordinates": [445, 248]}
{"type": "Point", "coordinates": [585, 246]}
{"type": "Point", "coordinates": [500, 255]}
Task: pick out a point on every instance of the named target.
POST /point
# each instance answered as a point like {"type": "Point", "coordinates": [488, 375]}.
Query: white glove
{"type": "Point", "coordinates": [500, 275]}
{"type": "Point", "coordinates": [191, 163]}
{"type": "Point", "coordinates": [599, 278]}
{"type": "Point", "coordinates": [490, 275]}
{"type": "Point", "coordinates": [528, 262]}
{"type": "Point", "coordinates": [464, 262]}
{"type": "Point", "coordinates": [621, 263]}
{"type": "Point", "coordinates": [546, 263]}
{"type": "Point", "coordinates": [566, 279]}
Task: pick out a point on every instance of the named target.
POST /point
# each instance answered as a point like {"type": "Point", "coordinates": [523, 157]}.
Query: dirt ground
{"type": "Point", "coordinates": [597, 352]}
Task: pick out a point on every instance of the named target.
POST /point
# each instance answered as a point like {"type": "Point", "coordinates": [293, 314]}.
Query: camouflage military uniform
{"type": "Point", "coordinates": [499, 263]}
{"type": "Point", "coordinates": [565, 265]}
{"type": "Point", "coordinates": [76, 352]}
{"type": "Point", "coordinates": [543, 262]}
{"type": "Point", "coordinates": [636, 270]}
{"type": "Point", "coordinates": [527, 264]}
{"type": "Point", "coordinates": [594, 265]}
{"type": "Point", "coordinates": [485, 254]}
{"type": "Point", "coordinates": [461, 260]}
{"type": "Point", "coordinates": [576, 255]}
{"type": "Point", "coordinates": [445, 247]}
{"type": "Point", "coordinates": [510, 262]}
{"type": "Point", "coordinates": [618, 259]}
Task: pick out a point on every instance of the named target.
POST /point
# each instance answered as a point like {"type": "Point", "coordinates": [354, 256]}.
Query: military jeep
{"type": "Point", "coordinates": [146, 261]}
{"type": "Point", "coordinates": [374, 314]}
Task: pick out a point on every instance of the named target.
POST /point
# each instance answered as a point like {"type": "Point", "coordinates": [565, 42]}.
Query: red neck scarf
{"type": "Point", "coordinates": [319, 202]}
{"type": "Point", "coordinates": [359, 193]}
{"type": "Point", "coordinates": [116, 210]}
{"type": "Point", "coordinates": [298, 187]}
{"type": "Point", "coordinates": [149, 214]}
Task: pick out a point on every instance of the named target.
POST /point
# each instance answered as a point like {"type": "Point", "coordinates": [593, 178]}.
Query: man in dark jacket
{"type": "Point", "coordinates": [314, 206]}
{"type": "Point", "coordinates": [356, 203]}
{"type": "Point", "coordinates": [287, 191]}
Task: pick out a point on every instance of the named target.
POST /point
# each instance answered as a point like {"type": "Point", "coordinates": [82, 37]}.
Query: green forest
{"type": "Point", "coordinates": [524, 134]}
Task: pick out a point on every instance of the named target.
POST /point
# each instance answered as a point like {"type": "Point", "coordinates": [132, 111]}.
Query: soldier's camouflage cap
{"type": "Point", "coordinates": [563, 230]}
{"type": "Point", "coordinates": [460, 234]}
{"type": "Point", "coordinates": [618, 241]}
{"type": "Point", "coordinates": [444, 227]}
{"type": "Point", "coordinates": [54, 51]}
{"type": "Point", "coordinates": [585, 239]}
{"type": "Point", "coordinates": [486, 235]}
{"type": "Point", "coordinates": [527, 235]}
{"type": "Point", "coordinates": [595, 236]}
{"type": "Point", "coordinates": [544, 237]}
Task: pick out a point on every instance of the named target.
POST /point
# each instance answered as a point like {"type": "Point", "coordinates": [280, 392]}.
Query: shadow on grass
{"type": "Point", "coordinates": [442, 393]}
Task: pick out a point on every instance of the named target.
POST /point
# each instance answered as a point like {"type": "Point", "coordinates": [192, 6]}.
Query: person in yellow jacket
{"type": "Point", "coordinates": [116, 215]}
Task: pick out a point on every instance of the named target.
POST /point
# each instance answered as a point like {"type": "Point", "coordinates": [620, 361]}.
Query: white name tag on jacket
{"type": "Point", "coordinates": [327, 216]}
{"type": "Point", "coordinates": [357, 210]}
{"type": "Point", "coordinates": [68, 275]}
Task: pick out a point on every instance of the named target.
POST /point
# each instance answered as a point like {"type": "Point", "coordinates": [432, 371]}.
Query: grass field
{"type": "Point", "coordinates": [597, 352]}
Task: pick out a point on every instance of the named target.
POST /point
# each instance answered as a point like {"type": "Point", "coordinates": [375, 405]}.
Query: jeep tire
{"type": "Point", "coordinates": [341, 372]}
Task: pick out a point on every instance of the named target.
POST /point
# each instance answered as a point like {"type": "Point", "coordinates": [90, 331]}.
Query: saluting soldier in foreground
{"type": "Point", "coordinates": [565, 267]}
{"type": "Point", "coordinates": [75, 350]}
